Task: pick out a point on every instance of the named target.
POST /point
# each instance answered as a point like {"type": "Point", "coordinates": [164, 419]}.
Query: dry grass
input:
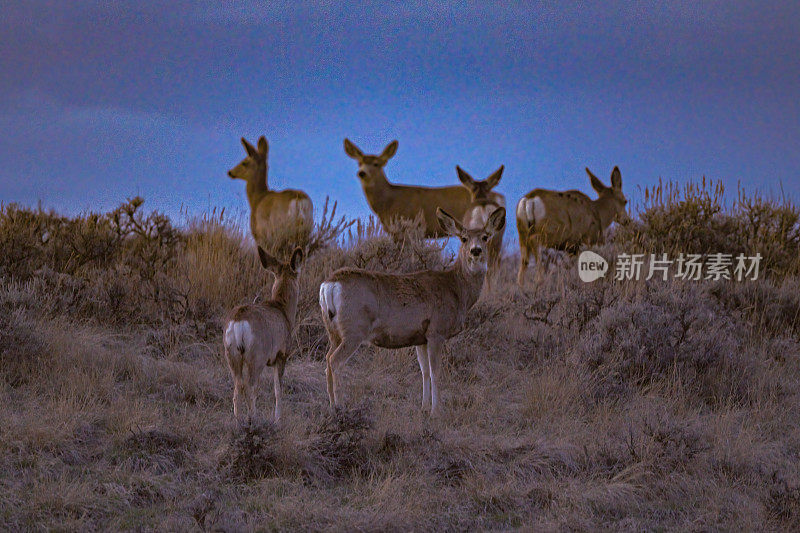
{"type": "Point", "coordinates": [629, 406]}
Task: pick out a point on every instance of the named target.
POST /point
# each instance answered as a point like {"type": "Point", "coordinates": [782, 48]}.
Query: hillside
{"type": "Point", "coordinates": [568, 405]}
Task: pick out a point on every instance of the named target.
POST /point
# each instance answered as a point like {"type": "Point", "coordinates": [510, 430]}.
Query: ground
{"type": "Point", "coordinates": [567, 405]}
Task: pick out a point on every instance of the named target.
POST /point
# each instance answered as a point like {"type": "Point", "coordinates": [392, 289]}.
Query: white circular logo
{"type": "Point", "coordinates": [591, 266]}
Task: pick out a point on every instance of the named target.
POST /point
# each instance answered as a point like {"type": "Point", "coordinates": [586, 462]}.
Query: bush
{"type": "Point", "coordinates": [667, 333]}
{"type": "Point", "coordinates": [696, 220]}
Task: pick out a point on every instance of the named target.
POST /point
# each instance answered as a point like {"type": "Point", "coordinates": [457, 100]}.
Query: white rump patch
{"type": "Point", "coordinates": [238, 336]}
{"type": "Point", "coordinates": [477, 216]}
{"type": "Point", "coordinates": [300, 210]}
{"type": "Point", "coordinates": [330, 298]}
{"type": "Point", "coordinates": [294, 209]}
{"type": "Point", "coordinates": [531, 209]}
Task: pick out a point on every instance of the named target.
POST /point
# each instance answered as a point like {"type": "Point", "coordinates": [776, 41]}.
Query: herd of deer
{"type": "Point", "coordinates": [421, 309]}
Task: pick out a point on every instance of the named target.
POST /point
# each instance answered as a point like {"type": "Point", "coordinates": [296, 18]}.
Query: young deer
{"type": "Point", "coordinates": [270, 210]}
{"type": "Point", "coordinates": [565, 220]}
{"type": "Point", "coordinates": [421, 309]}
{"type": "Point", "coordinates": [259, 335]}
{"type": "Point", "coordinates": [390, 201]}
{"type": "Point", "coordinates": [484, 202]}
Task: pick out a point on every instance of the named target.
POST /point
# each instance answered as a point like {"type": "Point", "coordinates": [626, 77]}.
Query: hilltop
{"type": "Point", "coordinates": [614, 404]}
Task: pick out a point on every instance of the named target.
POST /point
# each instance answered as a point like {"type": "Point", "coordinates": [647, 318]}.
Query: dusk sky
{"type": "Point", "coordinates": [101, 103]}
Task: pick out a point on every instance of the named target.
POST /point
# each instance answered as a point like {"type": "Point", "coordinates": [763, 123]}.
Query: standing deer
{"type": "Point", "coordinates": [421, 309]}
{"type": "Point", "coordinates": [259, 335]}
{"type": "Point", "coordinates": [565, 220]}
{"type": "Point", "coordinates": [484, 202]}
{"type": "Point", "coordinates": [390, 201]}
{"type": "Point", "coordinates": [271, 210]}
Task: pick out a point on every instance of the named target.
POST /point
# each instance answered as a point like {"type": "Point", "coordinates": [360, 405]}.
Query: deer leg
{"type": "Point", "coordinates": [537, 255]}
{"type": "Point", "coordinates": [335, 360]}
{"type": "Point", "coordinates": [524, 258]}
{"type": "Point", "coordinates": [238, 392]}
{"type": "Point", "coordinates": [235, 366]}
{"type": "Point", "coordinates": [334, 340]}
{"type": "Point", "coordinates": [280, 364]}
{"type": "Point", "coordinates": [434, 360]}
{"type": "Point", "coordinates": [252, 392]}
{"type": "Point", "coordinates": [424, 367]}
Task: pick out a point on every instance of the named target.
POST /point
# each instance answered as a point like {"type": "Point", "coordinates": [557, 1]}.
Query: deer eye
{"type": "Point", "coordinates": [464, 240]}
{"type": "Point", "coordinates": [485, 238]}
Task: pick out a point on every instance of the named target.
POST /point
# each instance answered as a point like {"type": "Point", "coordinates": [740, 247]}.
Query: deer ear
{"type": "Point", "coordinates": [494, 179]}
{"type": "Point", "coordinates": [464, 177]}
{"type": "Point", "coordinates": [388, 152]}
{"type": "Point", "coordinates": [263, 147]}
{"type": "Point", "coordinates": [352, 150]}
{"type": "Point", "coordinates": [616, 178]}
{"type": "Point", "coordinates": [497, 220]}
{"type": "Point", "coordinates": [297, 259]}
{"type": "Point", "coordinates": [450, 225]}
{"type": "Point", "coordinates": [249, 148]}
{"type": "Point", "coordinates": [597, 185]}
{"type": "Point", "coordinates": [267, 261]}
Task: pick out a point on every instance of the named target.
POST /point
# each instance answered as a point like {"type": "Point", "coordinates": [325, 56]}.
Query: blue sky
{"type": "Point", "coordinates": [102, 102]}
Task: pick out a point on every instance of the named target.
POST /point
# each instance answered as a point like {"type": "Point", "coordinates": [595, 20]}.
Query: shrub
{"type": "Point", "coordinates": [697, 220]}
{"type": "Point", "coordinates": [667, 333]}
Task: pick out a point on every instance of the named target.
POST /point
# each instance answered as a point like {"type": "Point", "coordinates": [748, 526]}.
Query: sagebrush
{"type": "Point", "coordinates": [632, 405]}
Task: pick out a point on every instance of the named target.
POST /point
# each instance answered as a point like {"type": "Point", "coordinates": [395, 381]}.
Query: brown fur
{"type": "Point", "coordinates": [421, 309]}
{"type": "Point", "coordinates": [270, 210]}
{"type": "Point", "coordinates": [271, 325]}
{"type": "Point", "coordinates": [390, 201]}
{"type": "Point", "coordinates": [571, 219]}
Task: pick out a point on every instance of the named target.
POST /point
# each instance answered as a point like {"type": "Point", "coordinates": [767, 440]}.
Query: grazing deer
{"type": "Point", "coordinates": [421, 309]}
{"type": "Point", "coordinates": [270, 210]}
{"type": "Point", "coordinates": [390, 201]}
{"type": "Point", "coordinates": [484, 202]}
{"type": "Point", "coordinates": [258, 335]}
{"type": "Point", "coordinates": [565, 220]}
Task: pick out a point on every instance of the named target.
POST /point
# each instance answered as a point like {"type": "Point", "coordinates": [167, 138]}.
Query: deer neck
{"type": "Point", "coordinates": [378, 192]}
{"type": "Point", "coordinates": [257, 186]}
{"type": "Point", "coordinates": [284, 295]}
{"type": "Point", "coordinates": [604, 206]}
{"type": "Point", "coordinates": [469, 283]}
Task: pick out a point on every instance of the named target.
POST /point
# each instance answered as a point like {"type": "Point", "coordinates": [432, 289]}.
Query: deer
{"type": "Point", "coordinates": [421, 309]}
{"type": "Point", "coordinates": [269, 209]}
{"type": "Point", "coordinates": [259, 335]}
{"type": "Point", "coordinates": [565, 220]}
{"type": "Point", "coordinates": [484, 202]}
{"type": "Point", "coordinates": [390, 202]}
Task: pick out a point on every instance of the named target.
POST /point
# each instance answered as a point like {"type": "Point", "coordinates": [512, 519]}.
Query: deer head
{"type": "Point", "coordinates": [613, 195]}
{"type": "Point", "coordinates": [254, 165]}
{"type": "Point", "coordinates": [479, 189]}
{"type": "Point", "coordinates": [285, 273]}
{"type": "Point", "coordinates": [473, 252]}
{"type": "Point", "coordinates": [370, 167]}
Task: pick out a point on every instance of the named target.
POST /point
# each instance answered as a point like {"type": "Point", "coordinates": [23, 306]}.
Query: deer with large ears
{"type": "Point", "coordinates": [259, 335]}
{"type": "Point", "coordinates": [390, 201]}
{"type": "Point", "coordinates": [421, 309]}
{"type": "Point", "coordinates": [565, 220]}
{"type": "Point", "coordinates": [270, 210]}
{"type": "Point", "coordinates": [484, 202]}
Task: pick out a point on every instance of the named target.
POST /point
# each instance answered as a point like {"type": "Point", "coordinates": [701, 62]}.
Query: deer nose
{"type": "Point", "coordinates": [362, 174]}
{"type": "Point", "coordinates": [476, 251]}
{"type": "Point", "coordinates": [230, 174]}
